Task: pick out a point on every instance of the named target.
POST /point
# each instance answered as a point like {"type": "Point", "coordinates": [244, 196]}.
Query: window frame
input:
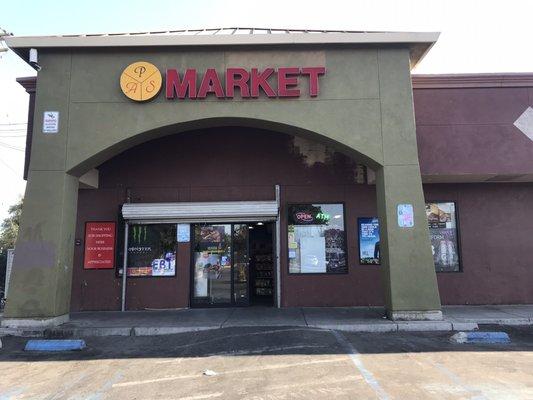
{"type": "Point", "coordinates": [346, 254]}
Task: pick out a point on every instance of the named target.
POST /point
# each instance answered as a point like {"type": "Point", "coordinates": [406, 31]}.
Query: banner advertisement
{"type": "Point", "coordinates": [100, 239]}
{"type": "Point", "coordinates": [152, 250]}
{"type": "Point", "coordinates": [369, 244]}
{"type": "Point", "coordinates": [443, 235]}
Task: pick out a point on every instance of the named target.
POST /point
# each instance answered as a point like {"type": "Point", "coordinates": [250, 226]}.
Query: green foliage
{"type": "Point", "coordinates": [10, 227]}
{"type": "Point", "coordinates": [8, 235]}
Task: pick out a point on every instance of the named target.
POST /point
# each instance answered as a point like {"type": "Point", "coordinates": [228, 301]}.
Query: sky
{"type": "Point", "coordinates": [476, 36]}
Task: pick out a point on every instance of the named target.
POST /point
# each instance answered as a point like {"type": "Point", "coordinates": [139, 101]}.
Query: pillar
{"type": "Point", "coordinates": [41, 281]}
{"type": "Point", "coordinates": [410, 281]}
{"type": "Point", "coordinates": [42, 268]}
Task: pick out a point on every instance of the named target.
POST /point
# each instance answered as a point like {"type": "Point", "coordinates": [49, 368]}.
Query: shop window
{"type": "Point", "coordinates": [151, 250]}
{"type": "Point", "coordinates": [442, 222]}
{"type": "Point", "coordinates": [316, 239]}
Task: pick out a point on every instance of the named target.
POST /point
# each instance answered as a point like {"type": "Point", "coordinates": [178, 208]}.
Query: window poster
{"type": "Point", "coordinates": [369, 244]}
{"type": "Point", "coordinates": [313, 255]}
{"type": "Point", "coordinates": [443, 235]}
{"type": "Point", "coordinates": [152, 250]}
{"type": "Point", "coordinates": [212, 261]}
{"type": "Point", "coordinates": [184, 233]}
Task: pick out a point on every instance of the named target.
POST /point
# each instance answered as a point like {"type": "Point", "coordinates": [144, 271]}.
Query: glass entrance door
{"type": "Point", "coordinates": [220, 264]}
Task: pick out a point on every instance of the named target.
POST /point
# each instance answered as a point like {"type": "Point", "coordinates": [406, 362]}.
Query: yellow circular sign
{"type": "Point", "coordinates": [141, 81]}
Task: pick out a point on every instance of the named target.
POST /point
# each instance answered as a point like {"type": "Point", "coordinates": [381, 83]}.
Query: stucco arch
{"type": "Point", "coordinates": [112, 150]}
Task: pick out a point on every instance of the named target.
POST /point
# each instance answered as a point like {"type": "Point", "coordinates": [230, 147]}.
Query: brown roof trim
{"type": "Point", "coordinates": [29, 83]}
{"type": "Point", "coordinates": [472, 80]}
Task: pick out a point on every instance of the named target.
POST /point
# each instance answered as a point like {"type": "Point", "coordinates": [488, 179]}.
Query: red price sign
{"type": "Point", "coordinates": [99, 245]}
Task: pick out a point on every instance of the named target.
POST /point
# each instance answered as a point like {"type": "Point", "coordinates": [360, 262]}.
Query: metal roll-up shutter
{"type": "Point", "coordinates": [238, 211]}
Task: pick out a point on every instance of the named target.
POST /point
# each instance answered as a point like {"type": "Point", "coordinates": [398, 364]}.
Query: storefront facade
{"type": "Point", "coordinates": [249, 169]}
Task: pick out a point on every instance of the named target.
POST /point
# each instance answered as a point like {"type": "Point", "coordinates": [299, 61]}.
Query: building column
{"type": "Point", "coordinates": [41, 277]}
{"type": "Point", "coordinates": [410, 281]}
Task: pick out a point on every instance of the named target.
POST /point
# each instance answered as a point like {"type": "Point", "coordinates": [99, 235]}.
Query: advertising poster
{"type": "Point", "coordinates": [152, 250]}
{"type": "Point", "coordinates": [100, 238]}
{"type": "Point", "coordinates": [369, 245]}
{"type": "Point", "coordinates": [443, 235]}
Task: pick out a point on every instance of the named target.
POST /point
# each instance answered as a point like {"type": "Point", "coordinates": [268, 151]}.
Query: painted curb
{"type": "Point", "coordinates": [54, 345]}
{"type": "Point", "coordinates": [481, 337]}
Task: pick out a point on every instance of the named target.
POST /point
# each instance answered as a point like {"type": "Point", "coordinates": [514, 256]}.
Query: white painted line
{"type": "Point", "coordinates": [237, 371]}
{"type": "Point", "coordinates": [356, 359]}
{"type": "Point", "coordinates": [476, 394]}
{"type": "Point", "coordinates": [202, 396]}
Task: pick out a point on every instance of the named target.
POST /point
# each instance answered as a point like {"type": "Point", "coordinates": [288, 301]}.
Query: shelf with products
{"type": "Point", "coordinates": [263, 274]}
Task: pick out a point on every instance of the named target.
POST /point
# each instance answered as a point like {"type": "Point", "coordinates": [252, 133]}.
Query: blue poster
{"type": "Point", "coordinates": [369, 250]}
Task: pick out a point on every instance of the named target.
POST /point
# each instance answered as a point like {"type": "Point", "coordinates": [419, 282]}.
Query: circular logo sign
{"type": "Point", "coordinates": [141, 81]}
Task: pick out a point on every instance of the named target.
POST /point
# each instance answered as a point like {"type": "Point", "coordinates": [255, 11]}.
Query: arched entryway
{"type": "Point", "coordinates": [235, 164]}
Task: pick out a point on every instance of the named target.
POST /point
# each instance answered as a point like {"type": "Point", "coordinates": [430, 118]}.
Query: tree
{"type": "Point", "coordinates": [8, 235]}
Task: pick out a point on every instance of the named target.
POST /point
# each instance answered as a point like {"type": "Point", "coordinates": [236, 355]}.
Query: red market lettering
{"type": "Point", "coordinates": [249, 83]}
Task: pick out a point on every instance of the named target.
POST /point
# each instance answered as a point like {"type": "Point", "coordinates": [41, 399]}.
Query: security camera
{"type": "Point", "coordinates": [34, 59]}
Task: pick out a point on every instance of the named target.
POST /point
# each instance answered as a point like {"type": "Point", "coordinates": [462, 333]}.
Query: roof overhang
{"type": "Point", "coordinates": [419, 43]}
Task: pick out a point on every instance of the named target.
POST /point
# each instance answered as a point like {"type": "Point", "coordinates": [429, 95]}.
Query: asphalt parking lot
{"type": "Point", "coordinates": [279, 363]}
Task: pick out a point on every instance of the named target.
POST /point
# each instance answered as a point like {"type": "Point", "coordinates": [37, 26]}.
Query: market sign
{"type": "Point", "coordinates": [142, 81]}
{"type": "Point", "coordinates": [99, 245]}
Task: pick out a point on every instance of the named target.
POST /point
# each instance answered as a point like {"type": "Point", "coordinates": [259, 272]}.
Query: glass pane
{"type": "Point", "coordinates": [240, 263]}
{"type": "Point", "coordinates": [212, 264]}
{"type": "Point", "coordinates": [152, 250]}
{"type": "Point", "coordinates": [316, 239]}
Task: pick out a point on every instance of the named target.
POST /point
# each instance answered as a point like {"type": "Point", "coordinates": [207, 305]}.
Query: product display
{"type": "Point", "coordinates": [263, 271]}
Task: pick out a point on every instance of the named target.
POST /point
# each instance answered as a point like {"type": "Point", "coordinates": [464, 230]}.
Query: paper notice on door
{"type": "Point", "coordinates": [313, 255]}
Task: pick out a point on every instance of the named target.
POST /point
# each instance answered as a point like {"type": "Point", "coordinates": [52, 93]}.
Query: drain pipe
{"type": "Point", "coordinates": [125, 266]}
{"type": "Point", "coordinates": [278, 249]}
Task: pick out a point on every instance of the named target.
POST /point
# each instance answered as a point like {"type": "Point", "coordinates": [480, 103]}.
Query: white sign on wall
{"type": "Point", "coordinates": [406, 217]}
{"type": "Point", "coordinates": [184, 233]}
{"type": "Point", "coordinates": [51, 122]}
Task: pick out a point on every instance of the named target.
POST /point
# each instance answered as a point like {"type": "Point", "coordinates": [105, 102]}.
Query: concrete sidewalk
{"type": "Point", "coordinates": [354, 319]}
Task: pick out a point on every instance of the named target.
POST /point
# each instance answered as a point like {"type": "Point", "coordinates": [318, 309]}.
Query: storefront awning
{"type": "Point", "coordinates": [235, 211]}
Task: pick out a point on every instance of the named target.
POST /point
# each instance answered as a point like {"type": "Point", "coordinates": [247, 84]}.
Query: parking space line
{"type": "Point", "coordinates": [237, 371]}
{"type": "Point", "coordinates": [356, 360]}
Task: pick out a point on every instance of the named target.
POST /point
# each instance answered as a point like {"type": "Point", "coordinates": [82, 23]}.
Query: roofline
{"type": "Point", "coordinates": [133, 40]}
{"type": "Point", "coordinates": [419, 43]}
{"type": "Point", "coordinates": [421, 81]}
{"type": "Point", "coordinates": [484, 80]}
